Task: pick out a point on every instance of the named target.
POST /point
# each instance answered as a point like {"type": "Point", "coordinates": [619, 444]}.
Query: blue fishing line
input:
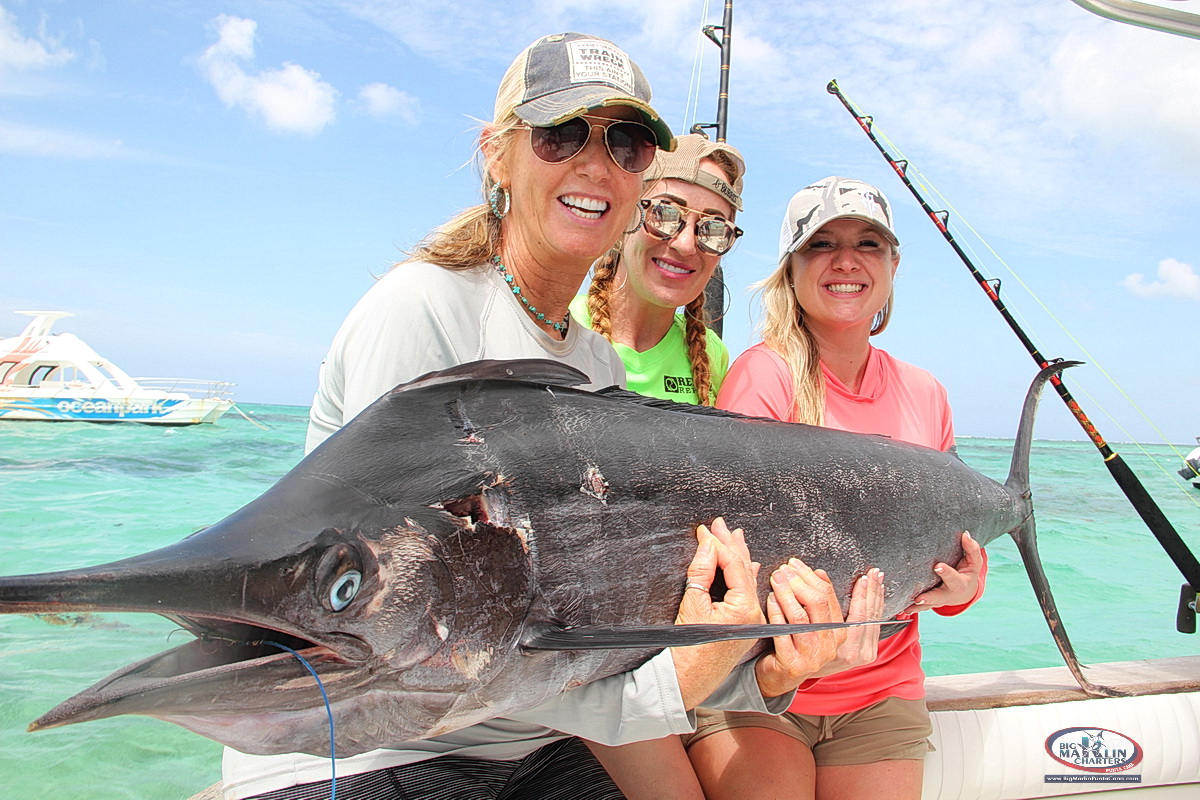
{"type": "Point", "coordinates": [328, 711]}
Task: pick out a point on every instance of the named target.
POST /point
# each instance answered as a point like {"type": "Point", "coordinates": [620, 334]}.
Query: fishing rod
{"type": "Point", "coordinates": [714, 292]}
{"type": "Point", "coordinates": [1147, 509]}
{"type": "Point", "coordinates": [726, 29]}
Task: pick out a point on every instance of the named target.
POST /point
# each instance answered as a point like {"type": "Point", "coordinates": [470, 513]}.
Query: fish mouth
{"type": "Point", "coordinates": [240, 634]}
{"type": "Point", "coordinates": [232, 667]}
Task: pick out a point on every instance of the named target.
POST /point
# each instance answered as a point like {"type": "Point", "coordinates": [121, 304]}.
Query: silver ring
{"type": "Point", "coordinates": [704, 589]}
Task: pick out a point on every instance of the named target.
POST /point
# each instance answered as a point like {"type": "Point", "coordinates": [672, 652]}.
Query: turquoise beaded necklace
{"type": "Point", "coordinates": [538, 315]}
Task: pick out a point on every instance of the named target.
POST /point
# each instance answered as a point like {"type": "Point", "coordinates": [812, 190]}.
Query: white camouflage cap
{"type": "Point", "coordinates": [567, 74]}
{"type": "Point", "coordinates": [830, 199]}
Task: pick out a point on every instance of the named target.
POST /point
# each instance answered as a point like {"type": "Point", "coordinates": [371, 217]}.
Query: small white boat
{"type": "Point", "coordinates": [57, 377]}
{"type": "Point", "coordinates": [1190, 471]}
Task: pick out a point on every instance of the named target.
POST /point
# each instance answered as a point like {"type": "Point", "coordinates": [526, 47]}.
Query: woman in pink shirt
{"type": "Point", "coordinates": [861, 725]}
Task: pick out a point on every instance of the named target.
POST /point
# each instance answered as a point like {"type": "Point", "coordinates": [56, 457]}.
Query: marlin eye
{"type": "Point", "coordinates": [339, 577]}
{"type": "Point", "coordinates": [344, 589]}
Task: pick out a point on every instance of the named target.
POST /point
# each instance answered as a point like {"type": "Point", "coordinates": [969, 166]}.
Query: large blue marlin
{"type": "Point", "coordinates": [486, 537]}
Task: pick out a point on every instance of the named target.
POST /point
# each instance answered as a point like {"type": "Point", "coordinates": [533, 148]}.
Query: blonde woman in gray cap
{"type": "Point", "coordinates": [861, 724]}
{"type": "Point", "coordinates": [572, 132]}
{"type": "Point", "coordinates": [687, 225]}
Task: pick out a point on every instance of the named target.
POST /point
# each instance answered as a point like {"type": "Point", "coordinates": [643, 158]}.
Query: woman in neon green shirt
{"type": "Point", "coordinates": [692, 196]}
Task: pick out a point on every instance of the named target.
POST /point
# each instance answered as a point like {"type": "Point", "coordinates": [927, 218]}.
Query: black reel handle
{"type": "Point", "coordinates": [1185, 615]}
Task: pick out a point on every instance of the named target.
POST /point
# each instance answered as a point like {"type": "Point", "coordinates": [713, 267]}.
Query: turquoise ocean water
{"type": "Point", "coordinates": [76, 494]}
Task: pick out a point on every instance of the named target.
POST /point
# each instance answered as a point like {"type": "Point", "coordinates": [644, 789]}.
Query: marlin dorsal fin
{"type": "Point", "coordinates": [529, 370]}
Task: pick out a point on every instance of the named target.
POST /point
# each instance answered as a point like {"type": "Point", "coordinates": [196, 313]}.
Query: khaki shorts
{"type": "Point", "coordinates": [889, 730]}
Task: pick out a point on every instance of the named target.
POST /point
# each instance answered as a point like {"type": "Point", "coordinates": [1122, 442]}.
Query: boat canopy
{"type": "Point", "coordinates": [36, 357]}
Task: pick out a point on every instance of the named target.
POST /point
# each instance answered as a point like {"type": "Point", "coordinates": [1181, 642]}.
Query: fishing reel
{"type": "Point", "coordinates": [1185, 615]}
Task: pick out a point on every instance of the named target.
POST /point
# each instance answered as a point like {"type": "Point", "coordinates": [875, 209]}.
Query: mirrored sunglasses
{"type": "Point", "coordinates": [665, 219]}
{"type": "Point", "coordinates": [630, 144]}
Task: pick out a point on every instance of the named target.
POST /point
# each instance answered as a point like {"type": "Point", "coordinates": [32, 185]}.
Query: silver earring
{"type": "Point", "coordinates": [877, 320]}
{"type": "Point", "coordinates": [494, 201]}
{"type": "Point", "coordinates": [641, 220]}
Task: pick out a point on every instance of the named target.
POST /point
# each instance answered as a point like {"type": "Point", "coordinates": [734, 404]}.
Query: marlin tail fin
{"type": "Point", "coordinates": [1026, 534]}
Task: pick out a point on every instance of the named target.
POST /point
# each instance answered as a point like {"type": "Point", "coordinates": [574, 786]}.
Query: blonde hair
{"type": "Point", "coordinates": [472, 236]}
{"type": "Point", "coordinates": [784, 330]}
{"type": "Point", "coordinates": [695, 313]}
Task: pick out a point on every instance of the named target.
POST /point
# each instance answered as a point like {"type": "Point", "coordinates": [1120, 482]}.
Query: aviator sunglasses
{"type": "Point", "coordinates": [631, 144]}
{"type": "Point", "coordinates": [665, 219]}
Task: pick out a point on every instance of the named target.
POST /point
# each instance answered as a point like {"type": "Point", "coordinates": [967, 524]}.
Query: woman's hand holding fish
{"type": "Point", "coordinates": [960, 584]}
{"type": "Point", "coordinates": [862, 643]}
{"type": "Point", "coordinates": [799, 595]}
{"type": "Point", "coordinates": [700, 669]}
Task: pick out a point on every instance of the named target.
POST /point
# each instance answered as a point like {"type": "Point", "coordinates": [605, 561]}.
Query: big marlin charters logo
{"type": "Point", "coordinates": [1094, 755]}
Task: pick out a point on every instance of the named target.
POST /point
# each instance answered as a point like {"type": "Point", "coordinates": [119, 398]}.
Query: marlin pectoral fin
{"type": "Point", "coordinates": [597, 637]}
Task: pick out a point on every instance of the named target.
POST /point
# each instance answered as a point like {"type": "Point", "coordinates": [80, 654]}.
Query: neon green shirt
{"type": "Point", "coordinates": [664, 370]}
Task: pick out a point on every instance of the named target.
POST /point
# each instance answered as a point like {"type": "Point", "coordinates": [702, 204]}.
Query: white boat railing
{"type": "Point", "coordinates": [208, 390]}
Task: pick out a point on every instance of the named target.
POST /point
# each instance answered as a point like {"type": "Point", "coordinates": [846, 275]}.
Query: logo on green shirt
{"type": "Point", "coordinates": [678, 385]}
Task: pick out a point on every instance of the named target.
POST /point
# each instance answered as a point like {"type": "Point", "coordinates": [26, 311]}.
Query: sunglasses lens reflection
{"type": "Point", "coordinates": [630, 144]}
{"type": "Point", "coordinates": [664, 219]}
{"type": "Point", "coordinates": [560, 142]}
{"type": "Point", "coordinates": [714, 235]}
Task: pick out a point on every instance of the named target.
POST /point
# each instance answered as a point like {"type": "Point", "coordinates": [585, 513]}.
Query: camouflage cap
{"type": "Point", "coordinates": [830, 199]}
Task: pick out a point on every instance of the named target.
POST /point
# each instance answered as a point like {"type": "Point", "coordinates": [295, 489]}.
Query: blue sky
{"type": "Point", "coordinates": [210, 186]}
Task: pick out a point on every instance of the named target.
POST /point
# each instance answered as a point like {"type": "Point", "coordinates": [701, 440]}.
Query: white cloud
{"type": "Point", "coordinates": [381, 100]}
{"type": "Point", "coordinates": [291, 98]}
{"type": "Point", "coordinates": [1175, 279]}
{"type": "Point", "coordinates": [20, 53]}
{"type": "Point", "coordinates": [27, 140]}
{"type": "Point", "coordinates": [1131, 86]}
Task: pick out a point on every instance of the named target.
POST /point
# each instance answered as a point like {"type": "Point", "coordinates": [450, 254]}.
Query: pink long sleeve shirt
{"type": "Point", "coordinates": [897, 400]}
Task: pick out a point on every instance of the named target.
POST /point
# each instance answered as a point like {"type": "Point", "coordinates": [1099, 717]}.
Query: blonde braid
{"type": "Point", "coordinates": [696, 334]}
{"type": "Point", "coordinates": [604, 272]}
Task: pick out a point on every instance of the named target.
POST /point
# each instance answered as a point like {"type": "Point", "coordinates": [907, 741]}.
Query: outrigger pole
{"type": "Point", "coordinates": [1145, 15]}
{"type": "Point", "coordinates": [714, 292]}
{"type": "Point", "coordinates": [1143, 503]}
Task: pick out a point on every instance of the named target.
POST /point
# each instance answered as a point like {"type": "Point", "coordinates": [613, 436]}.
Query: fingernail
{"type": "Point", "coordinates": [706, 546]}
{"type": "Point", "coordinates": [969, 536]}
{"type": "Point", "coordinates": [939, 570]}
